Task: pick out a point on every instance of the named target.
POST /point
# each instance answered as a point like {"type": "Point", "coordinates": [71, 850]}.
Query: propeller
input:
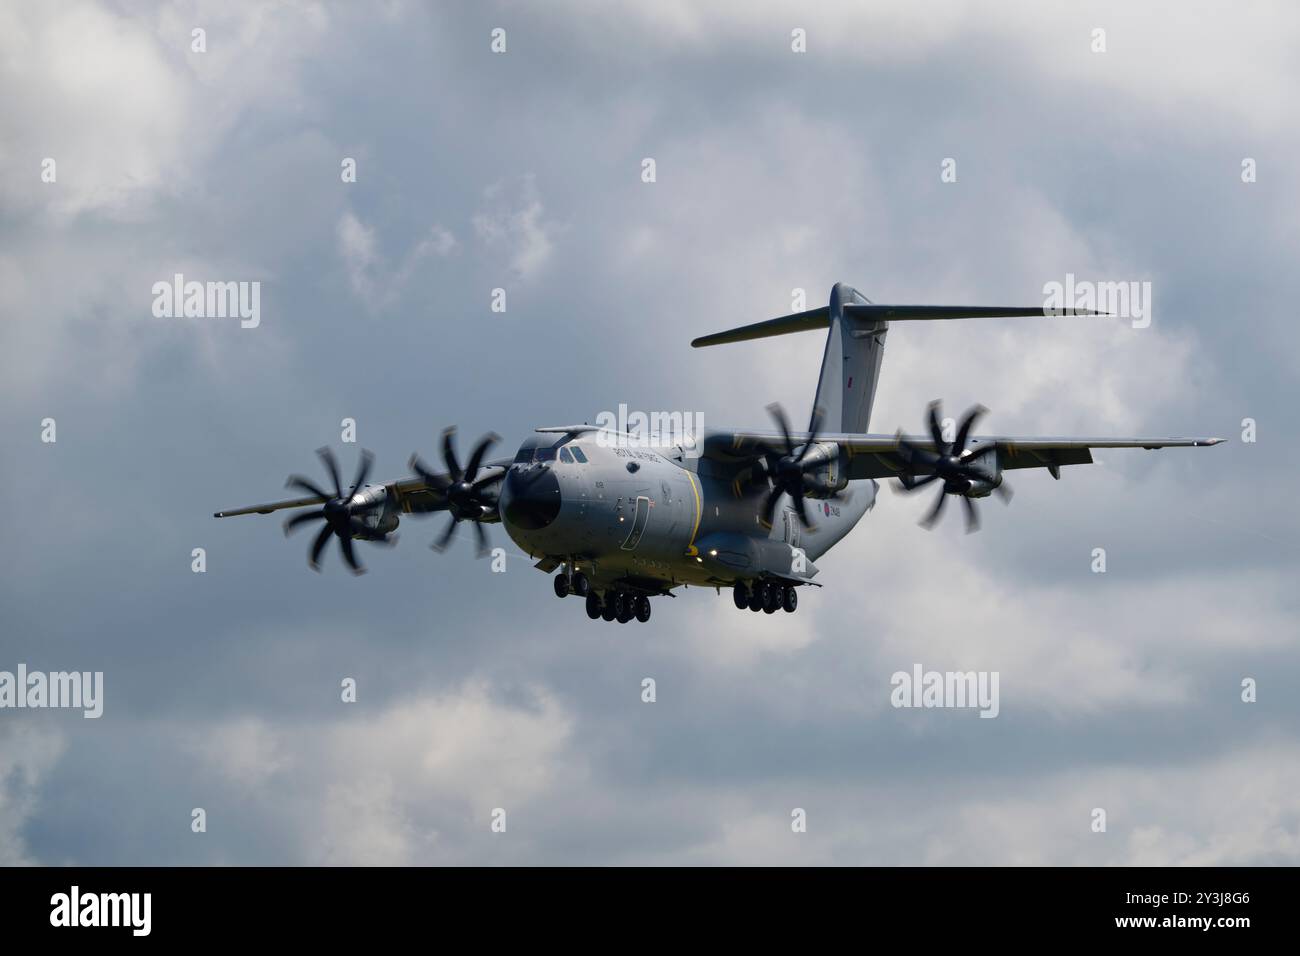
{"type": "Point", "coordinates": [787, 470]}
{"type": "Point", "coordinates": [953, 464]}
{"type": "Point", "coordinates": [339, 513]}
{"type": "Point", "coordinates": [462, 488]}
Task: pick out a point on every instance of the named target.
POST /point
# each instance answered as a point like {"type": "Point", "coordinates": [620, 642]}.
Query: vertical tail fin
{"type": "Point", "coordinates": [850, 364]}
{"type": "Point", "coordinates": [850, 371]}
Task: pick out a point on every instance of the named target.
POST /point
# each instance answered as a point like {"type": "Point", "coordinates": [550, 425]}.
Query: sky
{"type": "Point", "coordinates": [522, 170]}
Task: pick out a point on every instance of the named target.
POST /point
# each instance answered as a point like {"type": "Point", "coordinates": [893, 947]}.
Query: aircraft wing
{"type": "Point", "coordinates": [412, 495]}
{"type": "Point", "coordinates": [877, 456]}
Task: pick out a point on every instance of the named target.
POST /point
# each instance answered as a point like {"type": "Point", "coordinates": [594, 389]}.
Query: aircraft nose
{"type": "Point", "coordinates": [532, 498]}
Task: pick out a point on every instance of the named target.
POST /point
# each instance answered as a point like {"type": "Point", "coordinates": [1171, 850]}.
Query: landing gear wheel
{"type": "Point", "coordinates": [741, 595]}
{"type": "Point", "coordinates": [642, 608]}
{"type": "Point", "coordinates": [771, 598]}
{"type": "Point", "coordinates": [756, 597]}
{"type": "Point", "coordinates": [580, 585]}
{"type": "Point", "coordinates": [609, 609]}
{"type": "Point", "coordinates": [594, 606]}
{"type": "Point", "coordinates": [789, 598]}
{"type": "Point", "coordinates": [561, 586]}
{"type": "Point", "coordinates": [623, 603]}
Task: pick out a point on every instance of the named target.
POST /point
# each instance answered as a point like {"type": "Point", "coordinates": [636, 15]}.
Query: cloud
{"type": "Point", "coordinates": [246, 751]}
{"type": "Point", "coordinates": [511, 220]}
{"type": "Point", "coordinates": [376, 786]}
{"type": "Point", "coordinates": [357, 249]}
{"type": "Point", "coordinates": [1145, 61]}
{"type": "Point", "coordinates": [107, 105]}
{"type": "Point", "coordinates": [28, 752]}
{"type": "Point", "coordinates": [128, 112]}
{"type": "Point", "coordinates": [372, 280]}
{"type": "Point", "coordinates": [134, 122]}
{"type": "Point", "coordinates": [1233, 810]}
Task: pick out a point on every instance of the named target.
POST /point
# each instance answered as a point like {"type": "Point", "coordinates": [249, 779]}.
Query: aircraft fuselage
{"type": "Point", "coordinates": [631, 515]}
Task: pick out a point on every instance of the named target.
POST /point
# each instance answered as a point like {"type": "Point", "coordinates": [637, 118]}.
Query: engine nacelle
{"type": "Point", "coordinates": [825, 475]}
{"type": "Point", "coordinates": [987, 462]}
{"type": "Point", "coordinates": [380, 516]}
{"type": "Point", "coordinates": [382, 522]}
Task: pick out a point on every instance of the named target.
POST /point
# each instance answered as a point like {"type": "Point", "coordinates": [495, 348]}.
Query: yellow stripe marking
{"type": "Point", "coordinates": [699, 512]}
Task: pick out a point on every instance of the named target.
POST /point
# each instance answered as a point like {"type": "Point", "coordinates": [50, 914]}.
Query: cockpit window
{"type": "Point", "coordinates": [525, 455]}
{"type": "Point", "coordinates": [546, 454]}
{"type": "Point", "coordinates": [565, 456]}
{"type": "Point", "coordinates": [579, 454]}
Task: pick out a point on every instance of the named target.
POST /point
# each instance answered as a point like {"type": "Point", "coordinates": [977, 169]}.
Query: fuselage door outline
{"type": "Point", "coordinates": [640, 518]}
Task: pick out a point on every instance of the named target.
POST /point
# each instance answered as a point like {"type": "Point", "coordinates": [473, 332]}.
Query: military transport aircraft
{"type": "Point", "coordinates": [624, 520]}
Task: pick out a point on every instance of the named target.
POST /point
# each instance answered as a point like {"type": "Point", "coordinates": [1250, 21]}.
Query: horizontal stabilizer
{"type": "Point", "coordinates": [870, 314]}
{"type": "Point", "coordinates": [917, 313]}
{"type": "Point", "coordinates": [798, 322]}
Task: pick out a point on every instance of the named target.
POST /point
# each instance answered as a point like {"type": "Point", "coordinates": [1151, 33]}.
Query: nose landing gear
{"type": "Point", "coordinates": [571, 582]}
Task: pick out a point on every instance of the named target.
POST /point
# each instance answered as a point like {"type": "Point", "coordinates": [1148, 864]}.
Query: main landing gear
{"type": "Point", "coordinates": [620, 606]}
{"type": "Point", "coordinates": [766, 596]}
